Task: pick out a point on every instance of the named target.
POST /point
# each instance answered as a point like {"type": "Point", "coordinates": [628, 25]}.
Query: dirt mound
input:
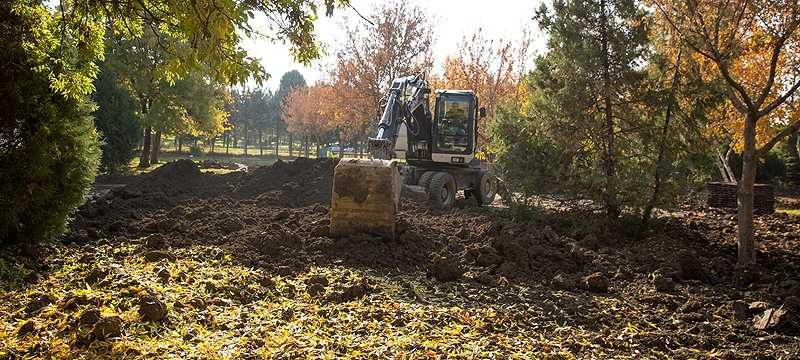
{"type": "Point", "coordinates": [276, 217]}
{"type": "Point", "coordinates": [297, 183]}
{"type": "Point", "coordinates": [183, 169]}
{"type": "Point", "coordinates": [179, 188]}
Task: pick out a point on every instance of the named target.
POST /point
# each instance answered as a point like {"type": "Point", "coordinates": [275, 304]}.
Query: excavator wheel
{"type": "Point", "coordinates": [486, 191]}
{"type": "Point", "coordinates": [442, 190]}
{"type": "Point", "coordinates": [425, 179]}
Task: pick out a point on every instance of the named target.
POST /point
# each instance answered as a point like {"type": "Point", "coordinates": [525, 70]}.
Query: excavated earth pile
{"type": "Point", "coordinates": [674, 292]}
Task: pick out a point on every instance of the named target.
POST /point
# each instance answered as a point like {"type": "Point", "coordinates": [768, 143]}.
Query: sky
{"type": "Point", "coordinates": [453, 19]}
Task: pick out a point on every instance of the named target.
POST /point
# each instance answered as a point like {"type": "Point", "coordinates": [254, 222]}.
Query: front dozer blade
{"type": "Point", "coordinates": [365, 199]}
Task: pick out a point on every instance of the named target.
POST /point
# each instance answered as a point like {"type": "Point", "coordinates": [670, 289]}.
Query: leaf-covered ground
{"type": "Point", "coordinates": [184, 265]}
{"type": "Point", "coordinates": [218, 309]}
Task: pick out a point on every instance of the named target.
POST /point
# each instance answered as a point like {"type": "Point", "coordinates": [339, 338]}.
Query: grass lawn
{"type": "Point", "coordinates": [171, 156]}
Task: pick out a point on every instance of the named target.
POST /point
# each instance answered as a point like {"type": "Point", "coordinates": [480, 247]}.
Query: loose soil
{"type": "Point", "coordinates": [183, 263]}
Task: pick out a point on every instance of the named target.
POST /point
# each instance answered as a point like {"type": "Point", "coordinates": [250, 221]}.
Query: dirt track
{"type": "Point", "coordinates": [666, 294]}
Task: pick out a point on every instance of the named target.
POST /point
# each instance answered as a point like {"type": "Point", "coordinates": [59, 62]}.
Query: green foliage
{"type": "Point", "coordinates": [12, 275]}
{"type": "Point", "coordinates": [117, 120]}
{"type": "Point", "coordinates": [175, 103]}
{"type": "Point", "coordinates": [49, 151]}
{"type": "Point", "coordinates": [590, 84]}
{"type": "Point", "coordinates": [770, 167]}
{"type": "Point", "coordinates": [600, 122]}
{"type": "Point", "coordinates": [528, 160]}
{"type": "Point", "coordinates": [289, 81]}
{"type": "Point", "coordinates": [195, 150]}
{"type": "Point", "coordinates": [255, 109]}
{"type": "Point", "coordinates": [213, 29]}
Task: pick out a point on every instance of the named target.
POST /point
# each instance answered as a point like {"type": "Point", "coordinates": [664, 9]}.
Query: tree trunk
{"type": "Point", "coordinates": [341, 146]}
{"type": "Point", "coordinates": [156, 150]}
{"type": "Point", "coordinates": [726, 163]}
{"type": "Point", "coordinates": [723, 163]}
{"type": "Point", "coordinates": [658, 172]}
{"type": "Point", "coordinates": [245, 139]}
{"type": "Point", "coordinates": [144, 159]}
{"type": "Point", "coordinates": [227, 143]}
{"type": "Point", "coordinates": [277, 140]}
{"type": "Point", "coordinates": [793, 146]}
{"type": "Point", "coordinates": [260, 142]}
{"type": "Point", "coordinates": [213, 144]}
{"type": "Point", "coordinates": [609, 161]}
{"type": "Point", "coordinates": [316, 151]}
{"type": "Point", "coordinates": [797, 145]}
{"type": "Point", "coordinates": [747, 246]}
{"type": "Point", "coordinates": [291, 142]}
{"type": "Point", "coordinates": [180, 143]}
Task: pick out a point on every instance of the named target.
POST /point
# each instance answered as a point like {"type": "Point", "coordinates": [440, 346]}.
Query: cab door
{"type": "Point", "coordinates": [454, 127]}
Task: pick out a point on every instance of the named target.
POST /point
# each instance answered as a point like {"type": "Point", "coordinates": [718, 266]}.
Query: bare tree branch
{"type": "Point", "coordinates": [778, 137]}
{"type": "Point", "coordinates": [780, 100]}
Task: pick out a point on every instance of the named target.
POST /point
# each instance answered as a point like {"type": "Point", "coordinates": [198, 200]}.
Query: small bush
{"type": "Point", "coordinates": [195, 150]}
{"type": "Point", "coordinates": [49, 151]}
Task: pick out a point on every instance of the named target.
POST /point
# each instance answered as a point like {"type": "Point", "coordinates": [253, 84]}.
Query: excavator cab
{"type": "Point", "coordinates": [447, 135]}
{"type": "Point", "coordinates": [454, 127]}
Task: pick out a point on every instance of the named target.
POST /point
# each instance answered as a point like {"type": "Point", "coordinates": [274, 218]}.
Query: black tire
{"type": "Point", "coordinates": [425, 179]}
{"type": "Point", "coordinates": [442, 190]}
{"type": "Point", "coordinates": [486, 191]}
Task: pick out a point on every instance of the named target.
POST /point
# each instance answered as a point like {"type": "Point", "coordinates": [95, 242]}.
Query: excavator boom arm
{"type": "Point", "coordinates": [397, 111]}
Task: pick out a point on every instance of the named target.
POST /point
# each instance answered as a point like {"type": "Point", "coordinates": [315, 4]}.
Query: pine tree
{"type": "Point", "coordinates": [591, 77]}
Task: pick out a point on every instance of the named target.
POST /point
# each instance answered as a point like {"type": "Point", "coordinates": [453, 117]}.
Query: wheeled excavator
{"type": "Point", "coordinates": [415, 150]}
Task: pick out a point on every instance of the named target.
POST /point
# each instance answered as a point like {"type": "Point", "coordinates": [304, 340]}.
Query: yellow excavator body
{"type": "Point", "coordinates": [365, 197]}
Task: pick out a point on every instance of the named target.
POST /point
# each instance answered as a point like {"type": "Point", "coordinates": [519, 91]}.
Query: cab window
{"type": "Point", "coordinates": [453, 125]}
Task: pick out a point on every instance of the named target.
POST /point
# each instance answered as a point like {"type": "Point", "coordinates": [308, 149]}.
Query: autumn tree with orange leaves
{"type": "Point", "coordinates": [306, 114]}
{"type": "Point", "coordinates": [752, 46]}
{"type": "Point", "coordinates": [395, 42]}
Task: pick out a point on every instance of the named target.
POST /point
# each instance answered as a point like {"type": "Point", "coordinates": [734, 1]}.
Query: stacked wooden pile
{"type": "Point", "coordinates": [793, 173]}
{"type": "Point", "coordinates": [723, 195]}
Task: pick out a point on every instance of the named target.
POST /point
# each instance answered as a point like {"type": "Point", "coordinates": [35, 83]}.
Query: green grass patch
{"type": "Point", "coordinates": [12, 275]}
{"type": "Point", "coordinates": [793, 212]}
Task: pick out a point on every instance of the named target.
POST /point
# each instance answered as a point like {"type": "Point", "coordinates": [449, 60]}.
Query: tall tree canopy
{"type": "Point", "coordinates": [752, 47]}
{"type": "Point", "coordinates": [117, 118]}
{"type": "Point", "coordinates": [252, 111]}
{"type": "Point", "coordinates": [290, 81]}
{"type": "Point", "coordinates": [191, 103]}
{"type": "Point", "coordinates": [588, 82]}
{"type": "Point", "coordinates": [305, 112]}
{"type": "Point", "coordinates": [213, 30]}
{"type": "Point", "coordinates": [397, 42]}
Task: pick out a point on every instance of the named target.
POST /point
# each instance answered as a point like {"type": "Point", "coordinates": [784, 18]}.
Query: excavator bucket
{"type": "Point", "coordinates": [365, 199]}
